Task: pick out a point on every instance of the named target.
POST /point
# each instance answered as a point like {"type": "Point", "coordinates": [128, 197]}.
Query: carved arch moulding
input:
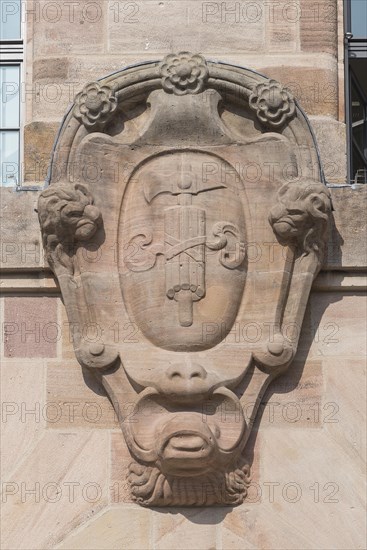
{"type": "Point", "coordinates": [171, 182]}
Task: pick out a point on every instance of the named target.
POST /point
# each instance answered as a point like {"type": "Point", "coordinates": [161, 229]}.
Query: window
{"type": "Point", "coordinates": [11, 50]}
{"type": "Point", "coordinates": [356, 88]}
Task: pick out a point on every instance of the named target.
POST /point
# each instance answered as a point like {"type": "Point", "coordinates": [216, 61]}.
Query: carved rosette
{"type": "Point", "coordinates": [95, 105]}
{"type": "Point", "coordinates": [184, 73]}
{"type": "Point", "coordinates": [273, 104]}
{"type": "Point", "coordinates": [67, 216]}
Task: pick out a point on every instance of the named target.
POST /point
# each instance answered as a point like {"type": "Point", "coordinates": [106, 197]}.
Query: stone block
{"type": "Point", "coordinates": [318, 25]}
{"type": "Point", "coordinates": [75, 399]}
{"type": "Point", "coordinates": [295, 399]}
{"type": "Point", "coordinates": [332, 142]}
{"type": "Point", "coordinates": [21, 242]}
{"type": "Point", "coordinates": [38, 141]}
{"type": "Point", "coordinates": [339, 326]}
{"type": "Point", "coordinates": [70, 28]}
{"type": "Point", "coordinates": [312, 493]}
{"type": "Point", "coordinates": [315, 88]}
{"type": "Point", "coordinates": [346, 405]}
{"type": "Point", "coordinates": [30, 327]}
{"type": "Point", "coordinates": [187, 528]}
{"type": "Point", "coordinates": [23, 419]}
{"type": "Point", "coordinates": [174, 25]}
{"type": "Point", "coordinates": [61, 485]}
{"type": "Point", "coordinates": [40, 282]}
{"type": "Point", "coordinates": [282, 24]}
{"type": "Point", "coordinates": [239, 529]}
{"type": "Point", "coordinates": [124, 527]}
{"type": "Point", "coordinates": [51, 69]}
{"type": "Point", "coordinates": [346, 248]}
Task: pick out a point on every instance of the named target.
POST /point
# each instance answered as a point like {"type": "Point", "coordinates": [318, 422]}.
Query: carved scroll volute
{"type": "Point", "coordinates": [180, 218]}
{"type": "Point", "coordinates": [300, 221]}
{"type": "Point", "coordinates": [70, 221]}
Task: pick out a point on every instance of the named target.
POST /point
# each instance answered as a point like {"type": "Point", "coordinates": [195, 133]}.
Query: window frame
{"type": "Point", "coordinates": [353, 48]}
{"type": "Point", "coordinates": [12, 53]}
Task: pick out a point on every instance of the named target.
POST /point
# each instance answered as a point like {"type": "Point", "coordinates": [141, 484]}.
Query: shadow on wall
{"type": "Point", "coordinates": [334, 250]}
{"type": "Point", "coordinates": [209, 515]}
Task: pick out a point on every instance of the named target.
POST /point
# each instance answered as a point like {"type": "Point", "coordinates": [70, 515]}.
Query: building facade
{"type": "Point", "coordinates": [64, 460]}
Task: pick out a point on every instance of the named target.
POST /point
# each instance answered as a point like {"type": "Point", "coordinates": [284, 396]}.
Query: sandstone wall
{"type": "Point", "coordinates": [298, 43]}
{"type": "Point", "coordinates": [65, 460]}
{"type": "Point", "coordinates": [64, 457]}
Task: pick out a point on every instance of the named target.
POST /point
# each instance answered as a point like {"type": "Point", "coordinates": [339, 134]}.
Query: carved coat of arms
{"type": "Point", "coordinates": [170, 181]}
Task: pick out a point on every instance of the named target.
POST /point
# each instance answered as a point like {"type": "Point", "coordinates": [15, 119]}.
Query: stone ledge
{"type": "Point", "coordinates": [43, 282]}
{"type": "Point", "coordinates": [338, 281]}
{"type": "Point", "coordinates": [21, 246]}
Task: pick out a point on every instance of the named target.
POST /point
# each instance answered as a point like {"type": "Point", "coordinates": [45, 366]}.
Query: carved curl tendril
{"type": "Point", "coordinates": [67, 216]}
{"type": "Point", "coordinates": [301, 216]}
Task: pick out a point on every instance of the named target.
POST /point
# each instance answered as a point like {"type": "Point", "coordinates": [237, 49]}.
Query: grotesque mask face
{"type": "Point", "coordinates": [191, 186]}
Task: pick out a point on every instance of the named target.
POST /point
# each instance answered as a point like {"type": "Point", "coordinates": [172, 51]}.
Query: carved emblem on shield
{"type": "Point", "coordinates": [174, 216]}
{"type": "Point", "coordinates": [186, 240]}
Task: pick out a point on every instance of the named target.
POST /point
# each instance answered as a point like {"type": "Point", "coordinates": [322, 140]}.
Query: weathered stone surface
{"type": "Point", "coordinates": [21, 242]}
{"type": "Point", "coordinates": [346, 249]}
{"type": "Point", "coordinates": [345, 405]}
{"type": "Point", "coordinates": [22, 411]}
{"type": "Point", "coordinates": [213, 22]}
{"type": "Point", "coordinates": [76, 399]}
{"type": "Point", "coordinates": [62, 483]}
{"type": "Point", "coordinates": [51, 69]}
{"type": "Point", "coordinates": [184, 212]}
{"type": "Point", "coordinates": [318, 24]}
{"type": "Point", "coordinates": [282, 24]}
{"type": "Point", "coordinates": [39, 138]}
{"type": "Point", "coordinates": [332, 142]}
{"type": "Point", "coordinates": [67, 28]}
{"type": "Point", "coordinates": [278, 524]}
{"type": "Point", "coordinates": [308, 504]}
{"type": "Point", "coordinates": [126, 528]}
{"type": "Point", "coordinates": [188, 529]}
{"type": "Point", "coordinates": [346, 246]}
{"type": "Point", "coordinates": [315, 88]}
{"type": "Point", "coordinates": [336, 320]}
{"type": "Point", "coordinates": [30, 327]}
{"type": "Point", "coordinates": [299, 501]}
{"type": "Point", "coordinates": [294, 400]}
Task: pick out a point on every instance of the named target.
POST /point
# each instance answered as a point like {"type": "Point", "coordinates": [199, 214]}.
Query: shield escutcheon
{"type": "Point", "coordinates": [184, 241]}
{"type": "Point", "coordinates": [182, 214]}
